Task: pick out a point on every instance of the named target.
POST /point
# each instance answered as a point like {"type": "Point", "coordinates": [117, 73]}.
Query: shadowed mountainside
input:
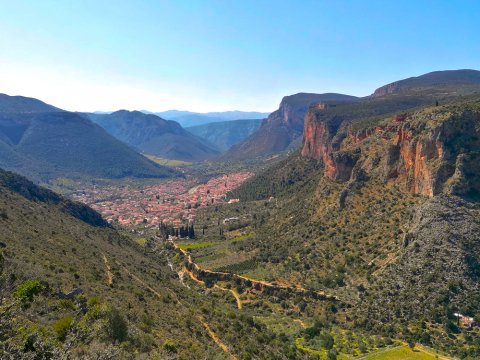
{"type": "Point", "coordinates": [227, 133]}
{"type": "Point", "coordinates": [153, 135]}
{"type": "Point", "coordinates": [43, 142]}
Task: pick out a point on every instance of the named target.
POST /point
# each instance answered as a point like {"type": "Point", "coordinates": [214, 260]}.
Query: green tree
{"type": "Point", "coordinates": [25, 292]}
{"type": "Point", "coordinates": [62, 327]}
{"type": "Point", "coordinates": [117, 326]}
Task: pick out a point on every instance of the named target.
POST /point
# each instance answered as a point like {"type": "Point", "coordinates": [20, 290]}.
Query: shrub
{"type": "Point", "coordinates": [332, 354]}
{"type": "Point", "coordinates": [67, 304]}
{"type": "Point", "coordinates": [169, 346]}
{"type": "Point", "coordinates": [117, 326]}
{"type": "Point", "coordinates": [27, 290]}
{"type": "Point", "coordinates": [62, 327]}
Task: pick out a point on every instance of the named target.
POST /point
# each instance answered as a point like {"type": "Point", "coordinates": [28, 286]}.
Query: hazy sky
{"type": "Point", "coordinates": [224, 55]}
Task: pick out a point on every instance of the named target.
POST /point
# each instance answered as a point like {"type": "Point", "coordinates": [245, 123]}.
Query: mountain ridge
{"type": "Point", "coordinates": [44, 142]}
{"type": "Point", "coordinates": [154, 135]}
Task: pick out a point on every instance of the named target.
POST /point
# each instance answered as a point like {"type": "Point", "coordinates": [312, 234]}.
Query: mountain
{"type": "Point", "coordinates": [460, 80]}
{"type": "Point", "coordinates": [283, 128]}
{"type": "Point", "coordinates": [44, 143]}
{"type": "Point", "coordinates": [23, 104]}
{"type": "Point", "coordinates": [153, 135]}
{"type": "Point", "coordinates": [380, 207]}
{"type": "Point", "coordinates": [226, 133]}
{"type": "Point", "coordinates": [188, 119]}
{"type": "Point", "coordinates": [73, 287]}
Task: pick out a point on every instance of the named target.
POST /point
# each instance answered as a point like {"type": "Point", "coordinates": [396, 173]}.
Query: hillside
{"type": "Point", "coordinates": [383, 211]}
{"type": "Point", "coordinates": [462, 81]}
{"type": "Point", "coordinates": [188, 118]}
{"type": "Point", "coordinates": [47, 145]}
{"type": "Point", "coordinates": [226, 133]}
{"type": "Point", "coordinates": [73, 287]}
{"type": "Point", "coordinates": [282, 127]}
{"type": "Point", "coordinates": [153, 135]}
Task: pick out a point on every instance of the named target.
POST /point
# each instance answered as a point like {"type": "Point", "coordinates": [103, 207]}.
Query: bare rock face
{"type": "Point", "coordinates": [441, 247]}
{"type": "Point", "coordinates": [386, 89]}
{"type": "Point", "coordinates": [428, 152]}
{"type": "Point", "coordinates": [283, 129]}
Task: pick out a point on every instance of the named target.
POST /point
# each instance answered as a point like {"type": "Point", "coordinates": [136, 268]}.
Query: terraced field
{"type": "Point", "coordinates": [222, 255]}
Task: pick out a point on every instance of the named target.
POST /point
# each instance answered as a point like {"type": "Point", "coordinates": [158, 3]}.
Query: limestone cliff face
{"type": "Point", "coordinates": [284, 127]}
{"type": "Point", "coordinates": [386, 89]}
{"type": "Point", "coordinates": [320, 142]}
{"type": "Point", "coordinates": [428, 152]}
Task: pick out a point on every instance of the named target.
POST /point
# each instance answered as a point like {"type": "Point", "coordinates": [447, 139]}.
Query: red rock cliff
{"type": "Point", "coordinates": [426, 153]}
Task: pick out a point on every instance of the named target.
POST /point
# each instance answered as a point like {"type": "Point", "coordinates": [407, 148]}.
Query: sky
{"type": "Point", "coordinates": [224, 55]}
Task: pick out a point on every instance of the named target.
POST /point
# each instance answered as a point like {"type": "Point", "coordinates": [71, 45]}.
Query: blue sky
{"type": "Point", "coordinates": [224, 55]}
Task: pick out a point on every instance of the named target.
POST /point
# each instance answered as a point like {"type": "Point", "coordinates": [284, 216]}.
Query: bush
{"type": "Point", "coordinates": [169, 346]}
{"type": "Point", "coordinates": [27, 290]}
{"type": "Point", "coordinates": [332, 354]}
{"type": "Point", "coordinates": [117, 326]}
{"type": "Point", "coordinates": [62, 327]}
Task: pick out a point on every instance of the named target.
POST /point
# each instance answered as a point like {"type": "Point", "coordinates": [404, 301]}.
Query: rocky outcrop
{"type": "Point", "coordinates": [386, 89]}
{"type": "Point", "coordinates": [428, 152]}
{"type": "Point", "coordinates": [321, 141]}
{"type": "Point", "coordinates": [432, 160]}
{"type": "Point", "coordinates": [440, 253]}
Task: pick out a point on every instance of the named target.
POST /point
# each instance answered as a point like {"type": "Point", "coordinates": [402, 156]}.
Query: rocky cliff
{"type": "Point", "coordinates": [427, 152]}
{"type": "Point", "coordinates": [281, 130]}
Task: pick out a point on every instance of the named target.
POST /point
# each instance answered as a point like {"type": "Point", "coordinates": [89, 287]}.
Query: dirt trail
{"type": "Point", "coordinates": [215, 338]}
{"type": "Point", "coordinates": [234, 293]}
{"type": "Point", "coordinates": [204, 323]}
{"type": "Point", "coordinates": [300, 322]}
{"type": "Point", "coordinates": [155, 292]}
{"type": "Point", "coordinates": [108, 271]}
{"type": "Point", "coordinates": [200, 282]}
{"type": "Point", "coordinates": [193, 277]}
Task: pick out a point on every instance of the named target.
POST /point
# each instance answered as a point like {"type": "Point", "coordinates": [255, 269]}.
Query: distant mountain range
{"type": "Point", "coordinates": [44, 142]}
{"type": "Point", "coordinates": [150, 134]}
{"type": "Point", "coordinates": [226, 133]}
{"type": "Point", "coordinates": [188, 119]}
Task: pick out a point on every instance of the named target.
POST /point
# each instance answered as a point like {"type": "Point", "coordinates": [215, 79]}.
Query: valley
{"type": "Point", "coordinates": [338, 228]}
{"type": "Point", "coordinates": [172, 202]}
{"type": "Point", "coordinates": [240, 180]}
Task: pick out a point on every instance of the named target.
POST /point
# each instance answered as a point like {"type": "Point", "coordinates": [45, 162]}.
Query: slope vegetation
{"type": "Point", "coordinates": [153, 135]}
{"type": "Point", "coordinates": [382, 210]}
{"type": "Point", "coordinates": [43, 142]}
{"type": "Point", "coordinates": [72, 287]}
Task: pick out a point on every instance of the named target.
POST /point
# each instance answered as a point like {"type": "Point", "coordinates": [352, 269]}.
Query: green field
{"type": "Point", "coordinates": [401, 353]}
{"type": "Point", "coordinates": [168, 162]}
{"type": "Point", "coordinates": [200, 245]}
{"type": "Point", "coordinates": [193, 246]}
